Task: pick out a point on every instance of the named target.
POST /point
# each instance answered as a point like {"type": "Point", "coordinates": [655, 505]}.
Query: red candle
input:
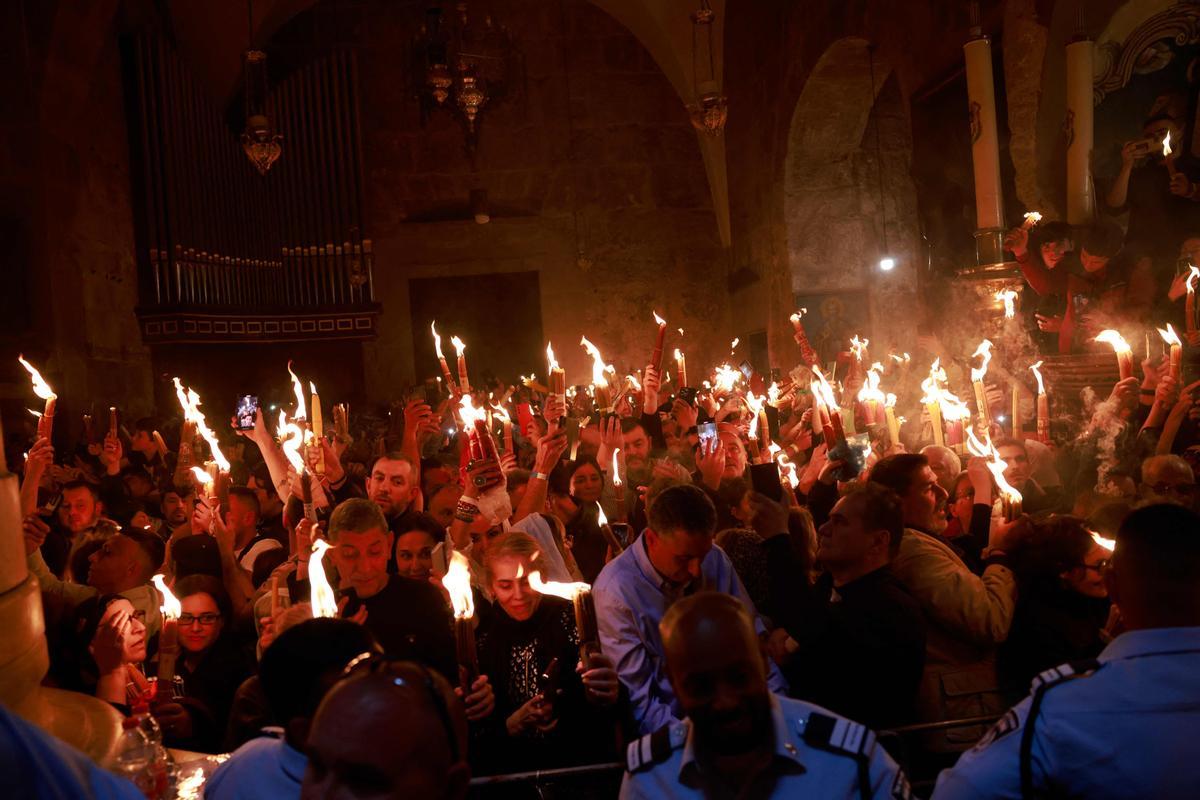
{"type": "Point", "coordinates": [656, 355]}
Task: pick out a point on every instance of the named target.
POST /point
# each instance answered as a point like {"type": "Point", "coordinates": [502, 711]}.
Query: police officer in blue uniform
{"type": "Point", "coordinates": [1126, 724]}
{"type": "Point", "coordinates": [739, 739]}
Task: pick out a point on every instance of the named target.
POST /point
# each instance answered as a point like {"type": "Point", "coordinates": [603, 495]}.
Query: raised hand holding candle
{"type": "Point", "coordinates": [1170, 337]}
{"type": "Point", "coordinates": [1010, 498]}
{"type": "Point", "coordinates": [43, 391]}
{"type": "Point", "coordinates": [1122, 350]}
{"type": "Point", "coordinates": [656, 354]}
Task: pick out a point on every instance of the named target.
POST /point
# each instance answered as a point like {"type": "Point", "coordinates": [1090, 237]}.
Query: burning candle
{"type": "Point", "coordinates": [464, 383]}
{"type": "Point", "coordinates": [1122, 350]}
{"type": "Point", "coordinates": [479, 438]}
{"type": "Point", "coordinates": [893, 424]}
{"type": "Point", "coordinates": [1108, 544]}
{"type": "Point", "coordinates": [1170, 337]}
{"type": "Point", "coordinates": [437, 346]}
{"type": "Point", "coordinates": [1189, 320]}
{"type": "Point", "coordinates": [680, 368]}
{"type": "Point", "coordinates": [580, 595]}
{"type": "Point", "coordinates": [1016, 409]}
{"type": "Point", "coordinates": [1043, 406]}
{"type": "Point", "coordinates": [1010, 498]}
{"type": "Point", "coordinates": [301, 413]}
{"type": "Point", "coordinates": [600, 372]}
{"type": "Point", "coordinates": [1008, 298]}
{"type": "Point", "coordinates": [168, 637]}
{"type": "Point", "coordinates": [870, 396]}
{"type": "Point", "coordinates": [558, 376]}
{"type": "Point", "coordinates": [457, 581]}
{"type": "Point", "coordinates": [858, 349]}
{"type": "Point", "coordinates": [1031, 218]}
{"type": "Point", "coordinates": [341, 422]}
{"type": "Point", "coordinates": [43, 391]}
{"type": "Point", "coordinates": [606, 531]}
{"type": "Point", "coordinates": [983, 352]}
{"type": "Point", "coordinates": [807, 354]}
{"type": "Point", "coordinates": [834, 432]}
{"type": "Point", "coordinates": [656, 354]}
{"type": "Point", "coordinates": [204, 480]}
{"type": "Point", "coordinates": [112, 421]}
{"type": "Point", "coordinates": [189, 401]}
{"type": "Point", "coordinates": [1169, 155]}
{"type": "Point", "coordinates": [932, 400]}
{"type": "Point", "coordinates": [506, 427]}
{"type": "Point", "coordinates": [317, 426]}
{"type": "Point", "coordinates": [321, 596]}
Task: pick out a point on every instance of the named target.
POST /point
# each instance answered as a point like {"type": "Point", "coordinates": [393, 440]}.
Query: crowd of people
{"type": "Point", "coordinates": [768, 619]}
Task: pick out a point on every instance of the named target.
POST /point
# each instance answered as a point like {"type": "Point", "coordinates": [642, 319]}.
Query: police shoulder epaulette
{"type": "Point", "coordinates": [1064, 672]}
{"type": "Point", "coordinates": [838, 735]}
{"type": "Point", "coordinates": [655, 748]}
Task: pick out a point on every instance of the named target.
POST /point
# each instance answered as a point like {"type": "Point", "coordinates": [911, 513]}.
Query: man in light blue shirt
{"type": "Point", "coordinates": [673, 558]}
{"type": "Point", "coordinates": [297, 669]}
{"type": "Point", "coordinates": [1124, 725]}
{"type": "Point", "coordinates": [739, 739]}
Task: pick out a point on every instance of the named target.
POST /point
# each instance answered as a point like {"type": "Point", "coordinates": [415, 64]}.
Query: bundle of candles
{"type": "Point", "coordinates": [580, 595]}
{"type": "Point", "coordinates": [457, 581]}
{"type": "Point", "coordinates": [168, 637]}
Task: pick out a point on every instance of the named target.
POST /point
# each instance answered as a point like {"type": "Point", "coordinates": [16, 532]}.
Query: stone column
{"type": "Point", "coordinates": [1081, 196]}
{"type": "Point", "coordinates": [985, 150]}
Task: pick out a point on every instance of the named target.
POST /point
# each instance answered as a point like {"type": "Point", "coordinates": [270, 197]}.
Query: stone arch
{"type": "Point", "coordinates": [832, 211]}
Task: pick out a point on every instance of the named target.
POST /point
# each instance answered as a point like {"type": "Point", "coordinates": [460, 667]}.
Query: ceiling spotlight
{"type": "Point", "coordinates": [887, 264]}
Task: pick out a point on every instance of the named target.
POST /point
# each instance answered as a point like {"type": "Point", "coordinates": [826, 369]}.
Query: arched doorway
{"type": "Point", "coordinates": [849, 144]}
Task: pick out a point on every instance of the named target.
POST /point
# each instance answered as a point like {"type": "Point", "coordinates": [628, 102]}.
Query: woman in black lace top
{"type": "Point", "coordinates": [550, 711]}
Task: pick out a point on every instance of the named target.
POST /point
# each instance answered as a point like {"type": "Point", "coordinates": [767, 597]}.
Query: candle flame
{"type": "Point", "coordinates": [37, 414]}
{"type": "Point", "coordinates": [1167, 145]}
{"type": "Point", "coordinates": [171, 608]}
{"type": "Point", "coordinates": [468, 413]}
{"type": "Point", "coordinates": [550, 357]}
{"type": "Point", "coordinates": [798, 315]}
{"type": "Point", "coordinates": [298, 389]}
{"type": "Point", "coordinates": [599, 368]}
{"type": "Point", "coordinates": [678, 355]}
{"type": "Point", "coordinates": [1038, 374]}
{"type": "Point", "coordinates": [202, 476]}
{"type": "Point", "coordinates": [662, 323]}
{"type": "Point", "coordinates": [1193, 274]}
{"type": "Point", "coordinates": [1008, 296]}
{"type": "Point", "coordinates": [459, 347]}
{"type": "Point", "coordinates": [312, 388]}
{"type": "Point", "coordinates": [952, 408]}
{"type": "Point", "coordinates": [725, 378]}
{"type": "Point", "coordinates": [1107, 544]}
{"type": "Point", "coordinates": [616, 472]}
{"type": "Point", "coordinates": [567, 591]}
{"type": "Point", "coordinates": [1169, 336]}
{"type": "Point", "coordinates": [901, 359]}
{"type": "Point", "coordinates": [932, 385]}
{"type": "Point", "coordinates": [437, 339]}
{"type": "Point", "coordinates": [773, 393]}
{"type": "Point", "coordinates": [890, 400]}
{"type": "Point", "coordinates": [870, 389]}
{"type": "Point", "coordinates": [457, 581]}
{"type": "Point", "coordinates": [321, 596]}
{"type": "Point", "coordinates": [291, 437]}
{"type": "Point", "coordinates": [189, 401]}
{"type": "Point", "coordinates": [1032, 218]}
{"type": "Point", "coordinates": [995, 463]}
{"type": "Point", "coordinates": [984, 351]}
{"type": "Point", "coordinates": [822, 389]}
{"type": "Point", "coordinates": [859, 347]}
{"type": "Point", "coordinates": [40, 387]}
{"type": "Point", "coordinates": [733, 345]}
{"type": "Point", "coordinates": [601, 519]}
{"type": "Point", "coordinates": [1111, 337]}
{"type": "Point", "coordinates": [755, 405]}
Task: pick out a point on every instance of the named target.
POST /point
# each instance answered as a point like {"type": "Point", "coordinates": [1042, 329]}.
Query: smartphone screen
{"type": "Point", "coordinates": [247, 410]}
{"type": "Point", "coordinates": [708, 432]}
{"type": "Point", "coordinates": [764, 478]}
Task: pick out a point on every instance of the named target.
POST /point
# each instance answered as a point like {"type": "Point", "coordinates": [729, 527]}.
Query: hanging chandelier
{"type": "Point", "coordinates": [259, 141]}
{"type": "Point", "coordinates": [463, 66]}
{"type": "Point", "coordinates": [711, 109]}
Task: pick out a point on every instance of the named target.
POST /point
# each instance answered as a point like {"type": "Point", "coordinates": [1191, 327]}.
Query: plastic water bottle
{"type": "Point", "coordinates": [134, 757]}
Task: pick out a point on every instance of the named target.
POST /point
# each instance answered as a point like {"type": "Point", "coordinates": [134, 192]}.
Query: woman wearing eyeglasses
{"type": "Point", "coordinates": [1062, 609]}
{"type": "Point", "coordinates": [105, 656]}
{"type": "Point", "coordinates": [550, 711]}
{"type": "Point", "coordinates": [211, 664]}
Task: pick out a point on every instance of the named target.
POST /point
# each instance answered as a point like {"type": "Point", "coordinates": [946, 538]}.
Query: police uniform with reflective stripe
{"type": "Point", "coordinates": [1122, 726]}
{"type": "Point", "coordinates": [816, 754]}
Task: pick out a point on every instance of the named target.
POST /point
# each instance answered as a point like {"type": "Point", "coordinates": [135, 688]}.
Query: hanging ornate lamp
{"type": "Point", "coordinates": [711, 109]}
{"type": "Point", "coordinates": [259, 141]}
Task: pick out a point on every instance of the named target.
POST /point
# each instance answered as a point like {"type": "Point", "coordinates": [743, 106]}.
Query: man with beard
{"type": "Point", "coordinates": [1019, 474]}
{"type": "Point", "coordinates": [393, 484]}
{"type": "Point", "coordinates": [967, 615]}
{"type": "Point", "coordinates": [177, 505]}
{"type": "Point", "coordinates": [739, 739]}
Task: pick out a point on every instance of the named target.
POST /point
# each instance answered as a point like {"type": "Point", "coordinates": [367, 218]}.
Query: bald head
{"type": "Point", "coordinates": [395, 731]}
{"type": "Point", "coordinates": [1167, 479]}
{"type": "Point", "coordinates": [718, 671]}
